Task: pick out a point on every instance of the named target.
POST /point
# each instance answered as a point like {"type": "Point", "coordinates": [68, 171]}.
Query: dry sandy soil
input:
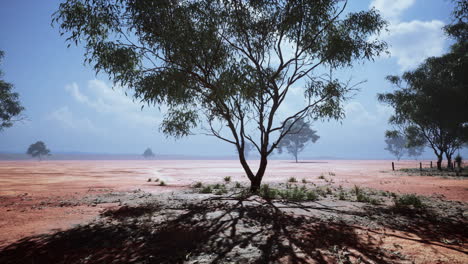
{"type": "Point", "coordinates": [55, 197]}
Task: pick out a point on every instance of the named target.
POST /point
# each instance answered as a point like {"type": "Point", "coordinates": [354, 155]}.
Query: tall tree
{"type": "Point", "coordinates": [10, 106]}
{"type": "Point", "coordinates": [433, 105]}
{"type": "Point", "coordinates": [38, 150]}
{"type": "Point", "coordinates": [427, 105]}
{"type": "Point", "coordinates": [297, 138]}
{"type": "Point", "coordinates": [148, 153]}
{"type": "Point", "coordinates": [229, 63]}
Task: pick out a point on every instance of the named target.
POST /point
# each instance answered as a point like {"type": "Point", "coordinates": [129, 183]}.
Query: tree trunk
{"type": "Point", "coordinates": [295, 156]}
{"type": "Point", "coordinates": [449, 161]}
{"type": "Point", "coordinates": [439, 162]}
{"type": "Point", "coordinates": [257, 180]}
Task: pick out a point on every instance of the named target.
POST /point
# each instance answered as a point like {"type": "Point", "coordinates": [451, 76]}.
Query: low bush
{"type": "Point", "coordinates": [304, 181]}
{"type": "Point", "coordinates": [198, 185]}
{"type": "Point", "coordinates": [206, 189]}
{"type": "Point", "coordinates": [268, 193]}
{"type": "Point", "coordinates": [149, 179]}
{"type": "Point", "coordinates": [227, 179]}
{"type": "Point", "coordinates": [409, 201]}
{"type": "Point", "coordinates": [238, 185]}
{"type": "Point", "coordinates": [292, 179]}
{"type": "Point", "coordinates": [162, 183]}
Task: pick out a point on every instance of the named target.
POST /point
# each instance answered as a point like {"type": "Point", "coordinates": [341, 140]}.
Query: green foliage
{"type": "Point", "coordinates": [206, 189]}
{"type": "Point", "coordinates": [430, 101]}
{"type": "Point", "coordinates": [207, 60]}
{"type": "Point", "coordinates": [304, 181]}
{"type": "Point", "coordinates": [458, 159]}
{"type": "Point", "coordinates": [162, 183]}
{"type": "Point", "coordinates": [238, 185]}
{"type": "Point", "coordinates": [198, 185]}
{"type": "Point", "coordinates": [342, 195]}
{"type": "Point", "coordinates": [268, 193]}
{"type": "Point", "coordinates": [227, 179]}
{"type": "Point", "coordinates": [10, 106]}
{"type": "Point", "coordinates": [321, 177]}
{"type": "Point", "coordinates": [292, 179]}
{"type": "Point", "coordinates": [409, 201]}
{"type": "Point", "coordinates": [38, 150]}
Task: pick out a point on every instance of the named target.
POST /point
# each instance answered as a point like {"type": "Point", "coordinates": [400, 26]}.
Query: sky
{"type": "Point", "coordinates": [72, 109]}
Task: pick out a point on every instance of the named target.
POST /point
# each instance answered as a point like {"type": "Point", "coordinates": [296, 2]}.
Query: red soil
{"type": "Point", "coordinates": [25, 184]}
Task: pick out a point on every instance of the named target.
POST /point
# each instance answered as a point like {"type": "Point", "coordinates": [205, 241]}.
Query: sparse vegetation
{"type": "Point", "coordinates": [162, 183]}
{"type": "Point", "coordinates": [149, 179]}
{"type": "Point", "coordinates": [408, 201]}
{"type": "Point", "coordinates": [304, 181]}
{"type": "Point", "coordinates": [227, 179]}
{"type": "Point", "coordinates": [292, 179]}
{"type": "Point", "coordinates": [321, 177]}
{"type": "Point", "coordinates": [198, 185]}
{"type": "Point", "coordinates": [238, 185]}
{"type": "Point", "coordinates": [206, 189]}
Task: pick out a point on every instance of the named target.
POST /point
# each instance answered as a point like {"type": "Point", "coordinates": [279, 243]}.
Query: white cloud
{"type": "Point", "coordinates": [113, 101]}
{"type": "Point", "coordinates": [66, 118]}
{"type": "Point", "coordinates": [357, 114]}
{"type": "Point", "coordinates": [412, 42]}
{"type": "Point", "coordinates": [391, 9]}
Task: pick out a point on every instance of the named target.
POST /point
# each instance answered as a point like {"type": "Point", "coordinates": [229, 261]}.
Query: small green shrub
{"type": "Point", "coordinates": [304, 181]}
{"type": "Point", "coordinates": [342, 195]}
{"type": "Point", "coordinates": [156, 180]}
{"type": "Point", "coordinates": [238, 185]}
{"type": "Point", "coordinates": [292, 179]}
{"type": "Point", "coordinates": [217, 186]}
{"type": "Point", "coordinates": [227, 179]}
{"type": "Point", "coordinates": [198, 185]}
{"type": "Point", "coordinates": [149, 179]}
{"type": "Point", "coordinates": [162, 183]}
{"type": "Point", "coordinates": [268, 193]}
{"type": "Point", "coordinates": [312, 196]}
{"type": "Point", "coordinates": [321, 177]}
{"type": "Point", "coordinates": [206, 189]}
{"type": "Point", "coordinates": [409, 201]}
{"type": "Point", "coordinates": [221, 191]}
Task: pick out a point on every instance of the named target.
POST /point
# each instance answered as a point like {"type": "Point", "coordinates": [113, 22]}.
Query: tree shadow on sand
{"type": "Point", "coordinates": [212, 231]}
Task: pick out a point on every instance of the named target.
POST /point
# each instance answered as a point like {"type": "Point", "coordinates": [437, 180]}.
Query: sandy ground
{"type": "Point", "coordinates": [35, 196]}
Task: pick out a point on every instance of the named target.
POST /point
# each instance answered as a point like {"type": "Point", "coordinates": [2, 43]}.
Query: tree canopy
{"type": "Point", "coordinates": [431, 101]}
{"type": "Point", "coordinates": [228, 64]}
{"type": "Point", "coordinates": [296, 140]}
{"type": "Point", "coordinates": [38, 150]}
{"type": "Point", "coordinates": [10, 106]}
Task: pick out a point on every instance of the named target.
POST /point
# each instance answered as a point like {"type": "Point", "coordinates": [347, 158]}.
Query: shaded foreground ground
{"type": "Point", "coordinates": [54, 197]}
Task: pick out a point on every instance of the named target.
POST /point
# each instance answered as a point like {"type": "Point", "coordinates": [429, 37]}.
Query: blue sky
{"type": "Point", "coordinates": [72, 109]}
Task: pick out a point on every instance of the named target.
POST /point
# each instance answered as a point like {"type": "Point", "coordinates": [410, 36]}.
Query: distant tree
{"type": "Point", "coordinates": [38, 150]}
{"type": "Point", "coordinates": [10, 107]}
{"type": "Point", "coordinates": [300, 134]}
{"type": "Point", "coordinates": [148, 153]}
{"type": "Point", "coordinates": [247, 149]}
{"type": "Point", "coordinates": [227, 64]}
{"type": "Point", "coordinates": [397, 144]}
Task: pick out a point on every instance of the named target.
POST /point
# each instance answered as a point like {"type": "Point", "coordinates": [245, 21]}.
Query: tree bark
{"type": "Point", "coordinates": [439, 162]}
{"type": "Point", "coordinates": [449, 161]}
{"type": "Point", "coordinates": [257, 180]}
